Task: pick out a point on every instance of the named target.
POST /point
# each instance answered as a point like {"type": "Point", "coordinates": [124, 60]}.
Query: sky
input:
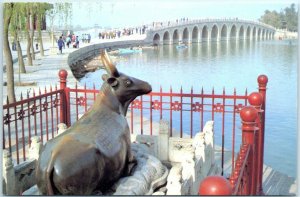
{"type": "Point", "coordinates": [117, 13]}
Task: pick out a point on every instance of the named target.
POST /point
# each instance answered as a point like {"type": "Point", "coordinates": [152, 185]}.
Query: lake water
{"type": "Point", "coordinates": [230, 65]}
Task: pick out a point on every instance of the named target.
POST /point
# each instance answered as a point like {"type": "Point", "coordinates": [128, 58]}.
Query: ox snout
{"type": "Point", "coordinates": [147, 88]}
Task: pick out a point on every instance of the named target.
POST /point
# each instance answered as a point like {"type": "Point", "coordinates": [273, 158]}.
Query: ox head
{"type": "Point", "coordinates": [124, 87]}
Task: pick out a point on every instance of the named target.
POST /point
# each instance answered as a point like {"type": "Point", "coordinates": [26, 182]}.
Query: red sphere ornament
{"type": "Point", "coordinates": [262, 79]}
{"type": "Point", "coordinates": [215, 186]}
{"type": "Point", "coordinates": [248, 114]}
{"type": "Point", "coordinates": [255, 99]}
{"type": "Point", "coordinates": [62, 74]}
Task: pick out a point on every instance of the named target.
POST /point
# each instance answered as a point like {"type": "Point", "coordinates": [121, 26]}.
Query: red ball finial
{"type": "Point", "coordinates": [248, 114]}
{"type": "Point", "coordinates": [255, 99]}
{"type": "Point", "coordinates": [62, 74]}
{"type": "Point", "coordinates": [215, 185]}
{"type": "Point", "coordinates": [262, 79]}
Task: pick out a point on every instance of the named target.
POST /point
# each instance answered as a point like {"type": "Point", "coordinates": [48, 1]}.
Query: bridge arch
{"type": "Point", "coordinates": [185, 35]}
{"type": "Point", "coordinates": [214, 33]}
{"type": "Point", "coordinates": [254, 33]}
{"type": "Point", "coordinates": [224, 32]}
{"type": "Point", "coordinates": [259, 34]}
{"type": "Point", "coordinates": [241, 33]}
{"type": "Point", "coordinates": [175, 36]}
{"type": "Point", "coordinates": [248, 32]}
{"type": "Point", "coordinates": [269, 35]}
{"type": "Point", "coordinates": [166, 38]}
{"type": "Point", "coordinates": [195, 34]}
{"type": "Point", "coordinates": [204, 34]}
{"type": "Point", "coordinates": [233, 32]}
{"type": "Point", "coordinates": [156, 39]}
{"type": "Point", "coordinates": [263, 35]}
{"type": "Point", "coordinates": [210, 30]}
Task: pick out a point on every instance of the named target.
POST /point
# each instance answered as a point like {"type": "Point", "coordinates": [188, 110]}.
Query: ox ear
{"type": "Point", "coordinates": [105, 77]}
{"type": "Point", "coordinates": [112, 81]}
{"type": "Point", "coordinates": [110, 67]}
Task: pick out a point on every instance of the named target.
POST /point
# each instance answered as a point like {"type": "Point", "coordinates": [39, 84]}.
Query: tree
{"type": "Point", "coordinates": [40, 14]}
{"type": "Point", "coordinates": [271, 18]}
{"type": "Point", "coordinates": [8, 10]}
{"type": "Point", "coordinates": [64, 13]}
{"type": "Point", "coordinates": [27, 29]}
{"type": "Point", "coordinates": [16, 23]}
{"type": "Point", "coordinates": [286, 19]}
{"type": "Point", "coordinates": [291, 17]}
{"type": "Point", "coordinates": [32, 10]}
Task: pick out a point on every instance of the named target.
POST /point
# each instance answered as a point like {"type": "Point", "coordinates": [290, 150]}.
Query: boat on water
{"type": "Point", "coordinates": [179, 47]}
{"type": "Point", "coordinates": [129, 51]}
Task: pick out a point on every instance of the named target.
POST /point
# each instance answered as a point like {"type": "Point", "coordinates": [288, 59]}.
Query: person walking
{"type": "Point", "coordinates": [68, 40]}
{"type": "Point", "coordinates": [60, 44]}
{"type": "Point", "coordinates": [77, 42]}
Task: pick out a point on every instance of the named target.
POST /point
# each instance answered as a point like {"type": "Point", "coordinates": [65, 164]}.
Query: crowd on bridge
{"type": "Point", "coordinates": [112, 34]}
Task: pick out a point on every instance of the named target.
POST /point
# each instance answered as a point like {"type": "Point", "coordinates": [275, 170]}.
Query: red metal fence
{"type": "Point", "coordinates": [186, 112]}
{"type": "Point", "coordinates": [246, 177]}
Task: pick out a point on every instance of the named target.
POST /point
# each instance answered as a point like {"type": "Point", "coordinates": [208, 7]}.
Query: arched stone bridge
{"type": "Point", "coordinates": [205, 30]}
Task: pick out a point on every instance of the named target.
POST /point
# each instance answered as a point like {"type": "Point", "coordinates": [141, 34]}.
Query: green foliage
{"type": "Point", "coordinates": [62, 12]}
{"type": "Point", "coordinates": [286, 19]}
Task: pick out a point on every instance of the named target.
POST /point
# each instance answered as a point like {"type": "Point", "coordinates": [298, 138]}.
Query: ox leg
{"type": "Point", "coordinates": [131, 163]}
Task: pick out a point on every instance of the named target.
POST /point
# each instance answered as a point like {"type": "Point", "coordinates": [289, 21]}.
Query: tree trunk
{"type": "Point", "coordinates": [32, 33]}
{"type": "Point", "coordinates": [7, 54]}
{"type": "Point", "coordinates": [39, 21]}
{"type": "Point", "coordinates": [29, 58]}
{"type": "Point", "coordinates": [20, 58]}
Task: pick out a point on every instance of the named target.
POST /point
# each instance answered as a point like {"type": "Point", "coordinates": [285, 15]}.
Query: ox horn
{"type": "Point", "coordinates": [110, 67]}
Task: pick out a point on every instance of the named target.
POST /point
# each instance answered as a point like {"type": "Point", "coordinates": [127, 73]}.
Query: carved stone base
{"type": "Point", "coordinates": [148, 175]}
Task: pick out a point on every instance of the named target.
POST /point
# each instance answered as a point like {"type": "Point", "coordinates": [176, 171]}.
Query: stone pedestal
{"type": "Point", "coordinates": [8, 174]}
{"type": "Point", "coordinates": [163, 140]}
{"type": "Point", "coordinates": [36, 146]}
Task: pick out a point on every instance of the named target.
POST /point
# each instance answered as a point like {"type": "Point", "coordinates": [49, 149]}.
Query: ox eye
{"type": "Point", "coordinates": [127, 82]}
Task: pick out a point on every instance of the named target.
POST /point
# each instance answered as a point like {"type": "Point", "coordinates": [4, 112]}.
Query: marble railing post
{"type": "Point", "coordinates": [35, 148]}
{"type": "Point", "coordinates": [163, 140]}
{"type": "Point", "coordinates": [8, 174]}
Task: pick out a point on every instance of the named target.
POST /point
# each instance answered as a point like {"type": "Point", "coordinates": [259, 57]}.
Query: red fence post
{"type": "Point", "coordinates": [215, 186]}
{"type": "Point", "coordinates": [255, 99]}
{"type": "Point", "coordinates": [262, 87]}
{"type": "Point", "coordinates": [64, 109]}
{"type": "Point", "coordinates": [249, 115]}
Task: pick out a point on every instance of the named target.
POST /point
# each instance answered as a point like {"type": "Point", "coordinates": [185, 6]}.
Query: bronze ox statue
{"type": "Point", "coordinates": [94, 152]}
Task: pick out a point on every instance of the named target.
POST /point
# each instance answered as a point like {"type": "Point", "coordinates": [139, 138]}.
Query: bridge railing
{"type": "Point", "coordinates": [167, 24]}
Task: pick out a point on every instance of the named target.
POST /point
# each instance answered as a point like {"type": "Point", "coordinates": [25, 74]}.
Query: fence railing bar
{"type": "Point", "coordinates": [21, 117]}
{"type": "Point", "coordinates": [34, 112]}
{"type": "Point", "coordinates": [181, 130]}
{"type": "Point", "coordinates": [51, 111]}
{"type": "Point", "coordinates": [233, 133]}
{"type": "Point", "coordinates": [16, 133]}
{"type": "Point", "coordinates": [223, 130]}
{"type": "Point", "coordinates": [191, 126]}
{"type": "Point", "coordinates": [35, 97]}
{"type": "Point", "coordinates": [41, 117]}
